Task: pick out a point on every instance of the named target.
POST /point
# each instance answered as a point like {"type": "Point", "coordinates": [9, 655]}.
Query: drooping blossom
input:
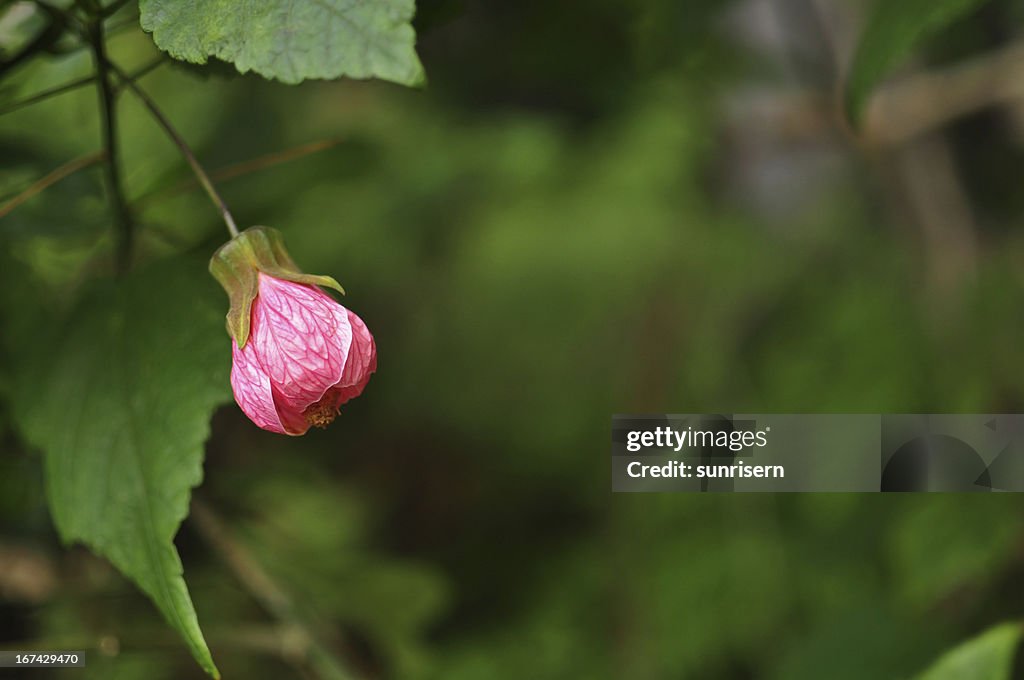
{"type": "Point", "coordinates": [298, 354]}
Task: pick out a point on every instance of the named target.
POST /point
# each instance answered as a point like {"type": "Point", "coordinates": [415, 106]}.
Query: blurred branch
{"type": "Point", "coordinates": [113, 8]}
{"type": "Point", "coordinates": [75, 164]}
{"type": "Point", "coordinates": [183, 147]}
{"type": "Point", "coordinates": [46, 94]}
{"type": "Point", "coordinates": [119, 27]}
{"type": "Point", "coordinates": [928, 180]}
{"type": "Point", "coordinates": [142, 71]}
{"type": "Point", "coordinates": [74, 85]}
{"type": "Point", "coordinates": [304, 642]}
{"type": "Point", "coordinates": [52, 178]}
{"type": "Point", "coordinates": [242, 168]}
{"type": "Point", "coordinates": [908, 108]}
{"type": "Point", "coordinates": [918, 104]}
{"type": "Point", "coordinates": [94, 34]}
{"type": "Point", "coordinates": [125, 231]}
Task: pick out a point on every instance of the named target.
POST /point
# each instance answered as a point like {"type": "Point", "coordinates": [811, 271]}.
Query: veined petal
{"type": "Point", "coordinates": [302, 337]}
{"type": "Point", "coordinates": [362, 358]}
{"type": "Point", "coordinates": [361, 363]}
{"type": "Point", "coordinates": [294, 422]}
{"type": "Point", "coordinates": [252, 389]}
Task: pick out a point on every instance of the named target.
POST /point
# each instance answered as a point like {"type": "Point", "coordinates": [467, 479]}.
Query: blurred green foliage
{"type": "Point", "coordinates": [573, 220]}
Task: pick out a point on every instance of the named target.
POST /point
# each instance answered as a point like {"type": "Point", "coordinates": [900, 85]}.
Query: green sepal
{"type": "Point", "coordinates": [236, 266]}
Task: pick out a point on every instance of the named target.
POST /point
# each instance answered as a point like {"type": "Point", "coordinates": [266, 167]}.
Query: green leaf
{"type": "Point", "coordinates": [988, 656]}
{"type": "Point", "coordinates": [120, 401]}
{"type": "Point", "coordinates": [892, 31]}
{"type": "Point", "coordinates": [292, 40]}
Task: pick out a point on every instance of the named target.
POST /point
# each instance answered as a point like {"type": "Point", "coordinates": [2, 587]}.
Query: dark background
{"type": "Point", "coordinates": [594, 207]}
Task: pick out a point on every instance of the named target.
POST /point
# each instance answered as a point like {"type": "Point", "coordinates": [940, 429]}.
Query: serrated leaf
{"type": "Point", "coordinates": [893, 29]}
{"type": "Point", "coordinates": [988, 656]}
{"type": "Point", "coordinates": [292, 40]}
{"type": "Point", "coordinates": [119, 402]}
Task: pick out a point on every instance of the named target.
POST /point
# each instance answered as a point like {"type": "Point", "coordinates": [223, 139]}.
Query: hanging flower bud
{"type": "Point", "coordinates": [297, 354]}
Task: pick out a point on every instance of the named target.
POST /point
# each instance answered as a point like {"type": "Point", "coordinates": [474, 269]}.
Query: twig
{"type": "Point", "coordinates": [126, 24]}
{"type": "Point", "coordinates": [907, 108]}
{"type": "Point", "coordinates": [52, 178]}
{"type": "Point", "coordinates": [142, 71]}
{"type": "Point", "coordinates": [182, 145]}
{"type": "Point", "coordinates": [274, 158]}
{"type": "Point", "coordinates": [242, 168]}
{"type": "Point", "coordinates": [927, 178]}
{"type": "Point", "coordinates": [910, 107]}
{"type": "Point", "coordinates": [94, 33]}
{"type": "Point", "coordinates": [113, 8]}
{"type": "Point", "coordinates": [46, 94]}
{"type": "Point", "coordinates": [73, 85]}
{"type": "Point", "coordinates": [265, 590]}
{"type": "Point", "coordinates": [122, 214]}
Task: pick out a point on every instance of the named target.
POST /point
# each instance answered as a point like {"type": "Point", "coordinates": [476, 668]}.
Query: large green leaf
{"type": "Point", "coordinates": [986, 657]}
{"type": "Point", "coordinates": [120, 401]}
{"type": "Point", "coordinates": [292, 40]}
{"type": "Point", "coordinates": [892, 31]}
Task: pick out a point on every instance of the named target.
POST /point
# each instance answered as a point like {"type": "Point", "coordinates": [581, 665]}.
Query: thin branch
{"type": "Point", "coordinates": [113, 8]}
{"type": "Point", "coordinates": [927, 101]}
{"type": "Point", "coordinates": [242, 168]}
{"type": "Point", "coordinates": [103, 67]}
{"type": "Point", "coordinates": [142, 71]}
{"type": "Point", "coordinates": [46, 94]}
{"type": "Point", "coordinates": [182, 145]}
{"type": "Point", "coordinates": [128, 23]}
{"type": "Point", "coordinates": [74, 85]}
{"type": "Point", "coordinates": [928, 183]}
{"type": "Point", "coordinates": [125, 231]}
{"type": "Point", "coordinates": [52, 178]}
{"type": "Point", "coordinates": [265, 590]}
{"type": "Point", "coordinates": [905, 109]}
{"type": "Point", "coordinates": [275, 158]}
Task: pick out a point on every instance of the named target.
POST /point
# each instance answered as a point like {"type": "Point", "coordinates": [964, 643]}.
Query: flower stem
{"type": "Point", "coordinates": [186, 151]}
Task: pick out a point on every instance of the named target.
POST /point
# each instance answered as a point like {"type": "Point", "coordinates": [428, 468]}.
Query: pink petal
{"type": "Point", "coordinates": [302, 338]}
{"type": "Point", "coordinates": [362, 361]}
{"type": "Point", "coordinates": [252, 388]}
{"type": "Point", "coordinates": [362, 358]}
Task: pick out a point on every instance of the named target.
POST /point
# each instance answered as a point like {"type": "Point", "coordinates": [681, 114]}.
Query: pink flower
{"type": "Point", "coordinates": [305, 356]}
